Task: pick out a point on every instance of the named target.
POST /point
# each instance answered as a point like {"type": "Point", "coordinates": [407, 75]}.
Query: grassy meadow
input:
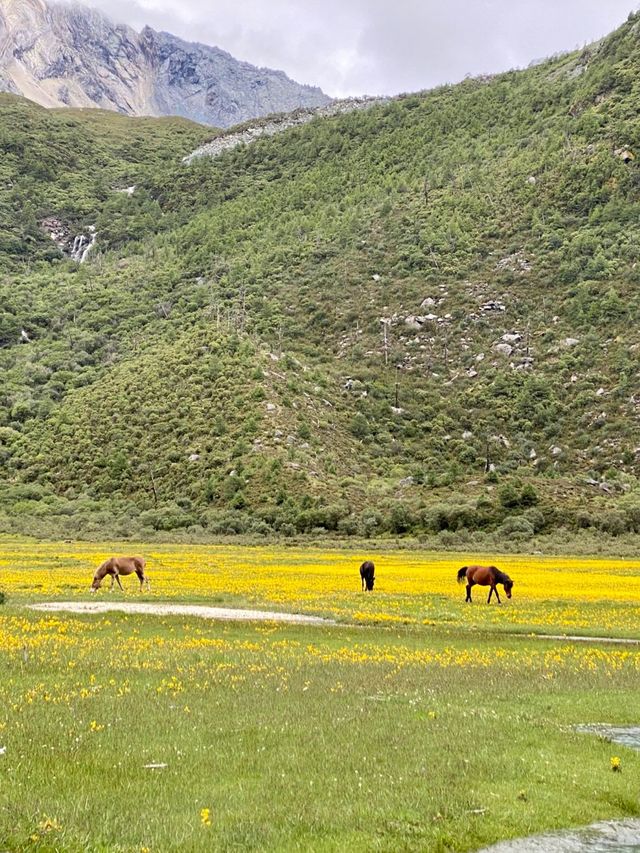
{"type": "Point", "coordinates": [413, 722]}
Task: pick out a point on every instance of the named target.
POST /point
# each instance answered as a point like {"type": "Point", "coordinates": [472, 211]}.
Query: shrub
{"type": "Point", "coordinates": [509, 496]}
{"type": "Point", "coordinates": [226, 522]}
{"type": "Point", "coordinates": [436, 518]}
{"type": "Point", "coordinates": [452, 517]}
{"type": "Point", "coordinates": [584, 520]}
{"type": "Point", "coordinates": [400, 519]}
{"type": "Point", "coordinates": [168, 517]}
{"type": "Point", "coordinates": [630, 506]}
{"type": "Point", "coordinates": [239, 500]}
{"type": "Point", "coordinates": [449, 539]}
{"type": "Point", "coordinates": [528, 496]}
{"type": "Point", "coordinates": [359, 426]}
{"type": "Point", "coordinates": [612, 522]}
{"type": "Point", "coordinates": [516, 526]}
{"type": "Point", "coordinates": [370, 523]}
{"type": "Point", "coordinates": [211, 489]}
{"type": "Point", "coordinates": [333, 514]}
{"type": "Point", "coordinates": [348, 526]}
{"type": "Point", "coordinates": [536, 518]}
{"type": "Point", "coordinates": [260, 528]}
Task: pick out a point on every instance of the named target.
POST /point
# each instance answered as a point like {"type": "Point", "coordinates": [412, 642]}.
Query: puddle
{"type": "Point", "coordinates": [203, 611]}
{"type": "Point", "coordinates": [608, 836]}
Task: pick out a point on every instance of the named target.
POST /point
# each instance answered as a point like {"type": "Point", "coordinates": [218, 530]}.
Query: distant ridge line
{"type": "Point", "coordinates": [270, 126]}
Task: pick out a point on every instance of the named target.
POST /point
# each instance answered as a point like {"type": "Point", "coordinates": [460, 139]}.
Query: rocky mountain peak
{"type": "Point", "coordinates": [69, 55]}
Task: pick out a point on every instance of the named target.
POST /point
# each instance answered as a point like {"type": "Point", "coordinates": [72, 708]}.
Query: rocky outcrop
{"type": "Point", "coordinates": [68, 55]}
{"type": "Point", "coordinates": [74, 246]}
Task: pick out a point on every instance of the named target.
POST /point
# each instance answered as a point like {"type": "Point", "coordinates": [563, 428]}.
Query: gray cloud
{"type": "Point", "coordinates": [380, 46]}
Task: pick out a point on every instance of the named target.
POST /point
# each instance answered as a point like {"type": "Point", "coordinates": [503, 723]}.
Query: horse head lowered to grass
{"type": "Point", "coordinates": [116, 566]}
{"type": "Point", "coordinates": [485, 576]}
{"type": "Point", "coordinates": [367, 575]}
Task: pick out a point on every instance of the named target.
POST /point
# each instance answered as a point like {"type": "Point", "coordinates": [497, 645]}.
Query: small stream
{"type": "Point", "coordinates": [624, 735]}
{"type": "Point", "coordinates": [607, 836]}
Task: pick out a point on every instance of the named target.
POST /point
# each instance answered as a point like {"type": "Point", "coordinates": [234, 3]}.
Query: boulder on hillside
{"type": "Point", "coordinates": [493, 305]}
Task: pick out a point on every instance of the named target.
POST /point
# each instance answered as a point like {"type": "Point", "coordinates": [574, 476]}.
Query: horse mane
{"type": "Point", "coordinates": [503, 578]}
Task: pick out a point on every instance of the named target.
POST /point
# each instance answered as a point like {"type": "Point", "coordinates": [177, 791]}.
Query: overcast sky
{"type": "Point", "coordinates": [352, 47]}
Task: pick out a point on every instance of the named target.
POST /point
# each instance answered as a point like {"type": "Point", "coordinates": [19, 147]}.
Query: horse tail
{"type": "Point", "coordinates": [462, 574]}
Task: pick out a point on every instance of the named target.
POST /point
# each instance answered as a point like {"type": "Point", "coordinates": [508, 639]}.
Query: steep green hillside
{"type": "Point", "coordinates": [202, 423]}
{"type": "Point", "coordinates": [67, 164]}
{"type": "Point", "coordinates": [420, 317]}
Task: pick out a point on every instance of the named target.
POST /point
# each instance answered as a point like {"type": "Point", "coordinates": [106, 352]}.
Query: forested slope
{"type": "Point", "coordinates": [420, 317]}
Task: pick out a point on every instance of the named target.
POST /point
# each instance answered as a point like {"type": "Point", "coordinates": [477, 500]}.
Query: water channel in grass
{"type": "Point", "coordinates": [607, 836]}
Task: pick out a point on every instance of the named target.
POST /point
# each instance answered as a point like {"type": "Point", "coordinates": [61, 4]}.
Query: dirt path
{"type": "Point", "coordinates": [577, 639]}
{"type": "Point", "coordinates": [234, 614]}
{"type": "Point", "coordinates": [203, 611]}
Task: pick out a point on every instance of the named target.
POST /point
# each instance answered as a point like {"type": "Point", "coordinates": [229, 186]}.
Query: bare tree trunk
{"type": "Point", "coordinates": [385, 343]}
{"type": "Point", "coordinates": [153, 488]}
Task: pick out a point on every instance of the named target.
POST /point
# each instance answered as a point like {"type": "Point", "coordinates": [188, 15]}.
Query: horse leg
{"type": "Point", "coordinates": [491, 591]}
{"type": "Point", "coordinates": [111, 587]}
{"type": "Point", "coordinates": [497, 596]}
{"type": "Point", "coordinates": [117, 577]}
{"type": "Point", "coordinates": [468, 598]}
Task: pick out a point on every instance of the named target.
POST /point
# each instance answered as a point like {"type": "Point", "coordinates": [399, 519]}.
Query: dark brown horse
{"type": "Point", "coordinates": [485, 576]}
{"type": "Point", "coordinates": [367, 571]}
{"type": "Point", "coordinates": [116, 566]}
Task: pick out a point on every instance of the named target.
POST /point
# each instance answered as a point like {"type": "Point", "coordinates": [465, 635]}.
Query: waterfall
{"type": "Point", "coordinates": [82, 245]}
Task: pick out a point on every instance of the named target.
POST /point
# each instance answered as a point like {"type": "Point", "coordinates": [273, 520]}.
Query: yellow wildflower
{"type": "Point", "coordinates": [49, 825]}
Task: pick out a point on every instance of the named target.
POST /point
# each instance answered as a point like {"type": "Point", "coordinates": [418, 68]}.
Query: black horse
{"type": "Point", "coordinates": [367, 571]}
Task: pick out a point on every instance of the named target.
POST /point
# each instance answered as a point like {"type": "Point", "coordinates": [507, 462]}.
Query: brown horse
{"type": "Point", "coordinates": [485, 576]}
{"type": "Point", "coordinates": [367, 571]}
{"type": "Point", "coordinates": [116, 566]}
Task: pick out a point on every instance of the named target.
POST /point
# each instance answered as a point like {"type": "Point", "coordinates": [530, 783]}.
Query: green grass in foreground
{"type": "Point", "coordinates": [299, 738]}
